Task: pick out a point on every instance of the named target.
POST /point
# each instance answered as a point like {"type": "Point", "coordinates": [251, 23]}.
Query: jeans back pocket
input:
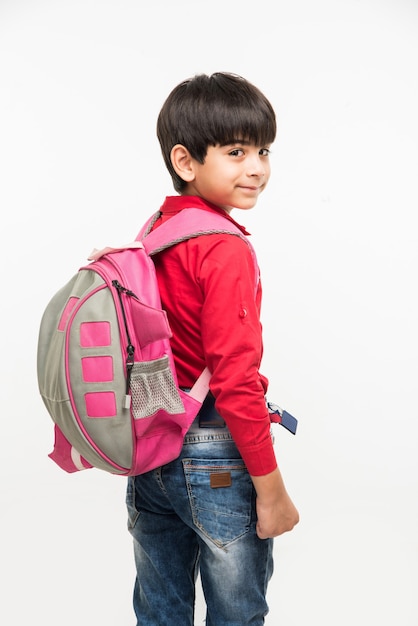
{"type": "Point", "coordinates": [221, 496]}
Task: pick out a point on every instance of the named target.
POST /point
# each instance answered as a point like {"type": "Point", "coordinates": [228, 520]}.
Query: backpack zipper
{"type": "Point", "coordinates": [130, 349]}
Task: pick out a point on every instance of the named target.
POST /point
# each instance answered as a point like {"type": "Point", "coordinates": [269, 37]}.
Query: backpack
{"type": "Point", "coordinates": [104, 363]}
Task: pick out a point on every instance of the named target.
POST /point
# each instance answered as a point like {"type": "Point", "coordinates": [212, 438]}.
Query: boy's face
{"type": "Point", "coordinates": [232, 176]}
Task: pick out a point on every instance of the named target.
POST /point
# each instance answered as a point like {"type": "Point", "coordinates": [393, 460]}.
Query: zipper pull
{"type": "Point", "coordinates": [129, 366]}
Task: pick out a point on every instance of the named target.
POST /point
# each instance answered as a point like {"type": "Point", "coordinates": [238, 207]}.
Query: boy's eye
{"type": "Point", "coordinates": [237, 152]}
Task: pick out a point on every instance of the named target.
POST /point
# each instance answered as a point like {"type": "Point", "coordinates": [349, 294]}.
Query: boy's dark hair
{"type": "Point", "coordinates": [206, 111]}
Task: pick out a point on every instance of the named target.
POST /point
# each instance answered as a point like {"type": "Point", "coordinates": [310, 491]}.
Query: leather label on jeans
{"type": "Point", "coordinates": [220, 479]}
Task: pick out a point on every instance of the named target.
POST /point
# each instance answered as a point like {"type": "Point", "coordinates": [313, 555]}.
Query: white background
{"type": "Point", "coordinates": [81, 84]}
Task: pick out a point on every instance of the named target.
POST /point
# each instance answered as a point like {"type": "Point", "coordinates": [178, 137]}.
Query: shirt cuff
{"type": "Point", "coordinates": [261, 460]}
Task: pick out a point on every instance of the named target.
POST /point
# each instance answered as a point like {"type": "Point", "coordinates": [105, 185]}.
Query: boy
{"type": "Point", "coordinates": [218, 506]}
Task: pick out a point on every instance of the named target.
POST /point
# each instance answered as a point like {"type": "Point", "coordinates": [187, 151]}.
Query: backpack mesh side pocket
{"type": "Point", "coordinates": [153, 388]}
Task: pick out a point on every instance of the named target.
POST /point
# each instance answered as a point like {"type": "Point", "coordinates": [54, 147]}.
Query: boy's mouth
{"type": "Point", "coordinates": [251, 188]}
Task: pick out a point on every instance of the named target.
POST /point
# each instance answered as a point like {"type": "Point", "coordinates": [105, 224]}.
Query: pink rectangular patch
{"type": "Point", "coordinates": [94, 334]}
{"type": "Point", "coordinates": [66, 312]}
{"type": "Point", "coordinates": [97, 369]}
{"type": "Point", "coordinates": [100, 404]}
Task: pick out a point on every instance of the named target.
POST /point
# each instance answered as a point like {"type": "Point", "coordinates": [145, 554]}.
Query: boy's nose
{"type": "Point", "coordinates": [256, 167]}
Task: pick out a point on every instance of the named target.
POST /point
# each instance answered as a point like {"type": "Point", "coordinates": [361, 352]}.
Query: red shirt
{"type": "Point", "coordinates": [207, 288]}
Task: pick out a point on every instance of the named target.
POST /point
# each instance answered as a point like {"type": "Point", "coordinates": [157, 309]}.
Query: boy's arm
{"type": "Point", "coordinates": [276, 512]}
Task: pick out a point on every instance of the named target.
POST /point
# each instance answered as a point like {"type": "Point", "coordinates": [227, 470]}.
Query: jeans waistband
{"type": "Point", "coordinates": [197, 434]}
{"type": "Point", "coordinates": [208, 425]}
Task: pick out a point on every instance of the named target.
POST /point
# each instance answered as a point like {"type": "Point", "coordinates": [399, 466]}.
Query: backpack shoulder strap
{"type": "Point", "coordinates": [146, 228]}
{"type": "Point", "coordinates": [185, 225]}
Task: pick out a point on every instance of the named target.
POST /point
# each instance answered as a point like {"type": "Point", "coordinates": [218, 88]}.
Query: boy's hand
{"type": "Point", "coordinates": [276, 512]}
{"type": "Point", "coordinates": [277, 518]}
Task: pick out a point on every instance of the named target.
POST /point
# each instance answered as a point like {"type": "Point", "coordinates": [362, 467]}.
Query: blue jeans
{"type": "Point", "coordinates": [194, 514]}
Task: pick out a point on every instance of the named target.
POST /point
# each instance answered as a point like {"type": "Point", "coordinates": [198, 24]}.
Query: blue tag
{"type": "Point", "coordinates": [289, 422]}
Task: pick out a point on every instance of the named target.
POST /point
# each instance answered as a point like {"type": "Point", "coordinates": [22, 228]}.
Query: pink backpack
{"type": "Point", "coordinates": [105, 368]}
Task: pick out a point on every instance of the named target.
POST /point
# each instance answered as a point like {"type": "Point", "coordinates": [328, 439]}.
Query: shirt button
{"type": "Point", "coordinates": [243, 312]}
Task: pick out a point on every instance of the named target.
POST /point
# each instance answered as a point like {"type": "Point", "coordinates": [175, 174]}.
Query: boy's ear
{"type": "Point", "coordinates": [182, 162]}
